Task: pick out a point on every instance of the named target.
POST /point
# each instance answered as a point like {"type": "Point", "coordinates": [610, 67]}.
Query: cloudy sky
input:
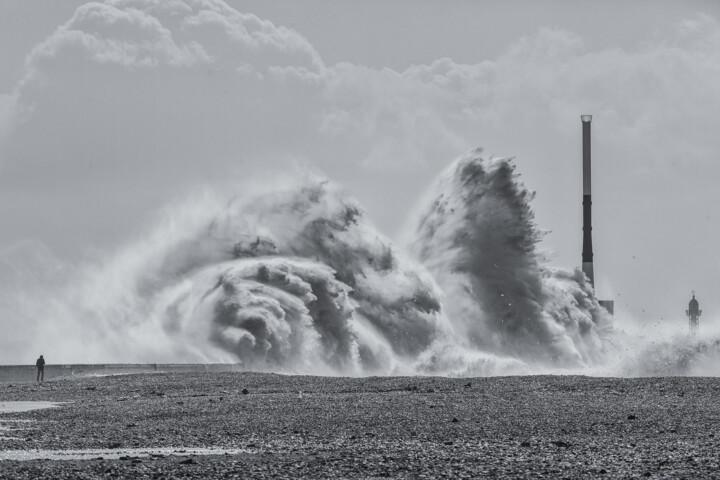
{"type": "Point", "coordinates": [110, 111]}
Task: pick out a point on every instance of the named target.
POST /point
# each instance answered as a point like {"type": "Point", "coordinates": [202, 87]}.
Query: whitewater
{"type": "Point", "coordinates": [292, 277]}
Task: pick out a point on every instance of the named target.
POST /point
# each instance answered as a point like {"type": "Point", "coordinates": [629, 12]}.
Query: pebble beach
{"type": "Point", "coordinates": [253, 425]}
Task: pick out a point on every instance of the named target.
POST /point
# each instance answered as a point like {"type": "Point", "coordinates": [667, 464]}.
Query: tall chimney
{"type": "Point", "coordinates": [587, 253]}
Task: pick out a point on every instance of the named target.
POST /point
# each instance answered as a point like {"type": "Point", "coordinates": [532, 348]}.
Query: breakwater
{"type": "Point", "coordinates": [28, 373]}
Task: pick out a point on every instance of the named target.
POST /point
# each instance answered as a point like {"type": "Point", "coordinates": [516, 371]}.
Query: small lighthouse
{"type": "Point", "coordinates": [693, 313]}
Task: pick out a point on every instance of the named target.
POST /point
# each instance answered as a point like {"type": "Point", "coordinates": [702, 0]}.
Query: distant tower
{"type": "Point", "coordinates": [693, 313]}
{"type": "Point", "coordinates": [587, 252]}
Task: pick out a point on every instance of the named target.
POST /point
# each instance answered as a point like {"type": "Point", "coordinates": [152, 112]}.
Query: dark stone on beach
{"type": "Point", "coordinates": [245, 391]}
{"type": "Point", "coordinates": [524, 444]}
{"type": "Point", "coordinates": [90, 388]}
{"type": "Point", "coordinates": [560, 443]}
{"type": "Point", "coordinates": [113, 445]}
{"type": "Point", "coordinates": [189, 461]}
{"type": "Point", "coordinates": [631, 417]}
{"type": "Point", "coordinates": [455, 420]}
{"type": "Point", "coordinates": [468, 385]}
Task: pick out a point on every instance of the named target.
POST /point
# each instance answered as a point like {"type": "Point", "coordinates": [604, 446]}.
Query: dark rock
{"type": "Point", "coordinates": [631, 417]}
{"type": "Point", "coordinates": [525, 444]}
{"type": "Point", "coordinates": [560, 443]}
{"type": "Point", "coordinates": [455, 420]}
{"type": "Point", "coordinates": [245, 391]}
{"type": "Point", "coordinates": [90, 388]}
{"type": "Point", "coordinates": [189, 461]}
{"type": "Point", "coordinates": [468, 385]}
{"type": "Point", "coordinates": [113, 445]}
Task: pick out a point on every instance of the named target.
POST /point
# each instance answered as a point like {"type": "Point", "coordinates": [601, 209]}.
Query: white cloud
{"type": "Point", "coordinates": [130, 103]}
{"type": "Point", "coordinates": [542, 83]}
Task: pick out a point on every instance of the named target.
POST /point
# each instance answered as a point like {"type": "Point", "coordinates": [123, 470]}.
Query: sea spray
{"type": "Point", "coordinates": [478, 238]}
{"type": "Point", "coordinates": [661, 352]}
{"type": "Point", "coordinates": [292, 277]}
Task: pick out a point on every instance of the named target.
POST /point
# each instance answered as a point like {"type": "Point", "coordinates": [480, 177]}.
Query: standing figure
{"type": "Point", "coordinates": [693, 312]}
{"type": "Point", "coordinates": [40, 364]}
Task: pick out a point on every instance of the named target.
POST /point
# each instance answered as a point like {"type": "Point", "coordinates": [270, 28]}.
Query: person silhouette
{"type": "Point", "coordinates": [40, 364]}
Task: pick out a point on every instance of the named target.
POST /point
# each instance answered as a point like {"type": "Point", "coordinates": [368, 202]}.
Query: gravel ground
{"type": "Point", "coordinates": [504, 427]}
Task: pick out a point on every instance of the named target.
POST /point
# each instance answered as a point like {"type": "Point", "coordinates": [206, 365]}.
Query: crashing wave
{"type": "Point", "coordinates": [305, 284]}
{"type": "Point", "coordinates": [296, 279]}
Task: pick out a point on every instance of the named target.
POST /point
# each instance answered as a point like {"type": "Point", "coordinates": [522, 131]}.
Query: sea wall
{"type": "Point", "coordinates": [28, 373]}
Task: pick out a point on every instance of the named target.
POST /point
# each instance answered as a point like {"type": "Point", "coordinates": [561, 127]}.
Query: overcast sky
{"type": "Point", "coordinates": [110, 111]}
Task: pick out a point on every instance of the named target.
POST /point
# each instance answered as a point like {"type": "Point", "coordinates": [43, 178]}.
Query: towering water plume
{"type": "Point", "coordinates": [478, 238]}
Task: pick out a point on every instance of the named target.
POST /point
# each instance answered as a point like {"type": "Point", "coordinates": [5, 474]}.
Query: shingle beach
{"type": "Point", "coordinates": [252, 425]}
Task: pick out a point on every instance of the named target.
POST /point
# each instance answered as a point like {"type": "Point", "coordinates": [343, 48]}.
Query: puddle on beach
{"type": "Point", "coordinates": [114, 454]}
{"type": "Point", "coordinates": [86, 454]}
{"type": "Point", "coordinates": [15, 407]}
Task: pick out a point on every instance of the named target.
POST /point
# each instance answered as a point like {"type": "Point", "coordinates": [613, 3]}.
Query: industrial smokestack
{"type": "Point", "coordinates": [587, 253]}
